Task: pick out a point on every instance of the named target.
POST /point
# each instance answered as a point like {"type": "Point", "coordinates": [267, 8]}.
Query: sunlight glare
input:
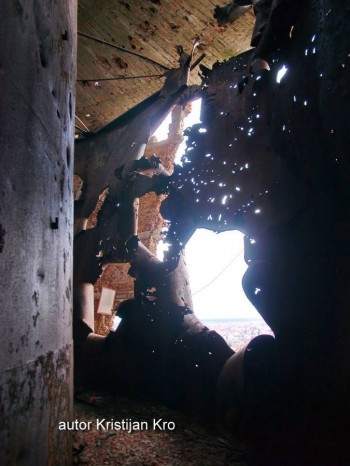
{"type": "Point", "coordinates": [280, 74]}
{"type": "Point", "coordinates": [162, 131]}
{"type": "Point", "coordinates": [192, 119]}
{"type": "Point", "coordinates": [210, 255]}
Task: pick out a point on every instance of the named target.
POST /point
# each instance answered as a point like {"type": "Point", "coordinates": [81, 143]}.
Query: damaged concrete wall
{"type": "Point", "coordinates": [37, 68]}
{"type": "Point", "coordinates": [272, 159]}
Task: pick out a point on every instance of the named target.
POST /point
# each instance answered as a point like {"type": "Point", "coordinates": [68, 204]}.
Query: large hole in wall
{"type": "Point", "coordinates": [216, 266]}
{"type": "Point", "coordinates": [191, 119]}
{"type": "Point", "coordinates": [161, 134]}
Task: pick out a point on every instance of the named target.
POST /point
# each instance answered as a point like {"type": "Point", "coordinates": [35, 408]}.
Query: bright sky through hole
{"type": "Point", "coordinates": [194, 117]}
{"type": "Point", "coordinates": [215, 261]}
{"type": "Point", "coordinates": [161, 132]}
{"type": "Point", "coordinates": [280, 74]}
{"type": "Point", "coordinates": [216, 265]}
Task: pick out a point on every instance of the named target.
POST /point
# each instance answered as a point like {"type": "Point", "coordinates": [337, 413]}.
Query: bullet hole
{"type": "Point", "coordinates": [174, 27]}
{"type": "Point", "coordinates": [58, 114]}
{"type": "Point", "coordinates": [281, 73]}
{"type": "Point", "coordinates": [126, 4]}
{"type": "Point", "coordinates": [35, 318]}
{"type": "Point", "coordinates": [65, 35]}
{"type": "Point", "coordinates": [242, 84]}
{"type": "Point", "coordinates": [2, 238]}
{"type": "Point", "coordinates": [41, 274]}
{"type": "Point", "coordinates": [62, 179]}
{"type": "Point", "coordinates": [53, 92]}
{"type": "Point", "coordinates": [24, 339]}
{"type": "Point", "coordinates": [35, 298]}
{"type": "Point", "coordinates": [70, 105]}
{"type": "Point", "coordinates": [104, 62]}
{"type": "Point", "coordinates": [44, 59]}
{"type": "Point", "coordinates": [68, 156]}
{"type": "Point", "coordinates": [149, 28]}
{"type": "Point", "coordinates": [132, 44]}
{"type": "Point", "coordinates": [121, 63]}
{"type": "Point", "coordinates": [54, 224]}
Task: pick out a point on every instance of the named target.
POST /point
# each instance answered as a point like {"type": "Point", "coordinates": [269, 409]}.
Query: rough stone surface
{"type": "Point", "coordinates": [37, 68]}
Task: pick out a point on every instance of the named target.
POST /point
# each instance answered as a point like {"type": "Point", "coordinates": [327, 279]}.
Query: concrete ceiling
{"type": "Point", "coordinates": [153, 29]}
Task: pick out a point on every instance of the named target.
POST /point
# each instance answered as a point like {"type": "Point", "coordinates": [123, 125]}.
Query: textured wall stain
{"type": "Point", "coordinates": [18, 8]}
{"type": "Point", "coordinates": [35, 297]}
{"type": "Point", "coordinates": [35, 318]}
{"type": "Point", "coordinates": [2, 238]}
{"type": "Point", "coordinates": [30, 391]}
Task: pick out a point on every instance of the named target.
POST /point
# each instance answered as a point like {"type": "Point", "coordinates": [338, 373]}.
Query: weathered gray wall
{"type": "Point", "coordinates": [37, 69]}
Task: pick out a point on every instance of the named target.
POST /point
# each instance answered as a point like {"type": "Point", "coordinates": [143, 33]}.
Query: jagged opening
{"type": "Point", "coordinates": [218, 297]}
{"type": "Point", "coordinates": [216, 266]}
{"type": "Point", "coordinates": [161, 134]}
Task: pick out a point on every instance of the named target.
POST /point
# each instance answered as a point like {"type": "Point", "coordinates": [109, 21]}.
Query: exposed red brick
{"type": "Point", "coordinates": [115, 276]}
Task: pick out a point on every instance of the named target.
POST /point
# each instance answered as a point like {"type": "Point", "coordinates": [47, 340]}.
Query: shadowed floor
{"type": "Point", "coordinates": [189, 443]}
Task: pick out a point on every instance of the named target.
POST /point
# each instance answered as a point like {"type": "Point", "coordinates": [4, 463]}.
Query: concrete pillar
{"type": "Point", "coordinates": [37, 76]}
